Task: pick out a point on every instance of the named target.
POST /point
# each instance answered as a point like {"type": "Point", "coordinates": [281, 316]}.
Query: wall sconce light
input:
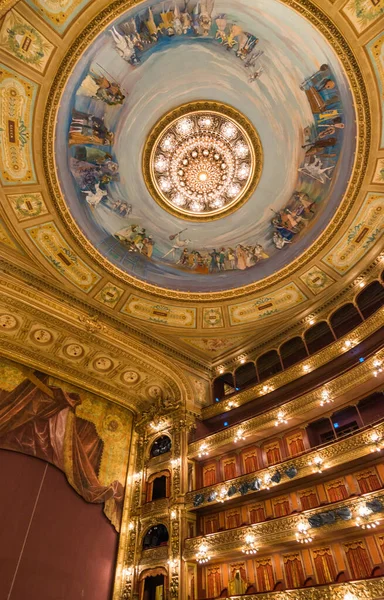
{"type": "Point", "coordinates": [306, 368]}
{"type": "Point", "coordinates": [302, 534]}
{"type": "Point", "coordinates": [242, 359]}
{"type": "Point", "coordinates": [202, 555]}
{"type": "Point", "coordinates": [221, 370]}
{"type": "Point", "coordinates": [350, 596]}
{"type": "Point", "coordinates": [128, 572]}
{"type": "Point", "coordinates": [378, 367]}
{"type": "Point", "coordinates": [203, 450]}
{"type": "Point", "coordinates": [137, 476]}
{"type": "Point", "coordinates": [266, 389]}
{"type": "Point", "coordinates": [239, 436]}
{"type": "Point", "coordinates": [250, 544]}
{"type": "Point", "coordinates": [325, 398]}
{"type": "Point", "coordinates": [377, 440]}
{"type": "Point", "coordinates": [347, 345]}
{"type": "Point", "coordinates": [222, 495]}
{"type": "Point", "coordinates": [362, 520]}
{"type": "Point", "coordinates": [131, 526]}
{"type": "Point", "coordinates": [281, 420]}
{"type": "Point", "coordinates": [173, 514]}
{"type": "Point", "coordinates": [231, 404]}
{"type": "Point", "coordinates": [173, 562]}
{"type": "Point", "coordinates": [175, 462]}
{"type": "Point", "coordinates": [317, 463]}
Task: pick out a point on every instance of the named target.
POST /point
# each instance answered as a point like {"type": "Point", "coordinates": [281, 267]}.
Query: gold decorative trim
{"type": "Point", "coordinates": [280, 530]}
{"type": "Point", "coordinates": [322, 357]}
{"type": "Point", "coordinates": [220, 109]}
{"type": "Point", "coordinates": [337, 41]}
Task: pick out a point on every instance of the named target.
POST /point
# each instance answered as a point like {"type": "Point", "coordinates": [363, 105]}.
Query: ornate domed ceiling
{"type": "Point", "coordinates": [205, 177]}
{"type": "Point", "coordinates": [204, 146]}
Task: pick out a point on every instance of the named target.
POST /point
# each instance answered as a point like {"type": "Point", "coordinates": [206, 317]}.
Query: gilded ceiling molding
{"type": "Point", "coordinates": [334, 350]}
{"type": "Point", "coordinates": [278, 531]}
{"type": "Point", "coordinates": [335, 454]}
{"type": "Point", "coordinates": [6, 5]}
{"type": "Point", "coordinates": [74, 352]}
{"type": "Point", "coordinates": [331, 32]}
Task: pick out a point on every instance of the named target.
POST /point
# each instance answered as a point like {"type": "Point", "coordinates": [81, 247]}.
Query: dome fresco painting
{"type": "Point", "coordinates": [257, 58]}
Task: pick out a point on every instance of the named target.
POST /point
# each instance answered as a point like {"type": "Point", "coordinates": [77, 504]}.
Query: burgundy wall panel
{"type": "Point", "coordinates": [53, 545]}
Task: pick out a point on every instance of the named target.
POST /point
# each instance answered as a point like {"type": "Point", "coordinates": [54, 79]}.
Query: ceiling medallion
{"type": "Point", "coordinates": [202, 161]}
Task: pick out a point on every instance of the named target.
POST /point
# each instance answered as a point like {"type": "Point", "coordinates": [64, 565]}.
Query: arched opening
{"type": "Point", "coordinates": [156, 536]}
{"type": "Point", "coordinates": [245, 375]}
{"type": "Point", "coordinates": [268, 364]}
{"type": "Point", "coordinates": [318, 336]}
{"type": "Point", "coordinates": [161, 445]}
{"type": "Point", "coordinates": [371, 408]}
{"type": "Point", "coordinates": [320, 432]}
{"type": "Point", "coordinates": [223, 386]}
{"type": "Point", "coordinates": [292, 352]}
{"type": "Point", "coordinates": [158, 486]}
{"type": "Point", "coordinates": [153, 584]}
{"type": "Point", "coordinates": [370, 299]}
{"type": "Point", "coordinates": [346, 421]}
{"type": "Point", "coordinates": [345, 319]}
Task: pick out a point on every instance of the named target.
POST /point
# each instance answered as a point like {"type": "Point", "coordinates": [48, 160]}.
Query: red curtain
{"type": "Point", "coordinates": [273, 455]}
{"type": "Point", "coordinates": [40, 421]}
{"type": "Point", "coordinates": [324, 565]}
{"type": "Point", "coordinates": [229, 470]}
{"type": "Point", "coordinates": [281, 507]}
{"type": "Point", "coordinates": [295, 445]}
{"type": "Point", "coordinates": [294, 571]}
{"type": "Point", "coordinates": [358, 560]}
{"type": "Point", "coordinates": [337, 491]}
{"type": "Point", "coordinates": [211, 525]}
{"type": "Point", "coordinates": [233, 519]}
{"type": "Point", "coordinates": [264, 573]}
{"type": "Point", "coordinates": [209, 475]}
{"type": "Point", "coordinates": [257, 513]}
{"type": "Point", "coordinates": [368, 482]}
{"type": "Point", "coordinates": [308, 499]}
{"type": "Point", "coordinates": [250, 463]}
{"type": "Point", "coordinates": [214, 582]}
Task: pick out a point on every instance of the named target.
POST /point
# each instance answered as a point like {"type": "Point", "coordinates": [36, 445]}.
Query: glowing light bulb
{"type": "Point", "coordinates": [203, 176]}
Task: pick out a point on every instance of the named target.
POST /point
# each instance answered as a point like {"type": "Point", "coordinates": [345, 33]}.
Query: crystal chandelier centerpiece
{"type": "Point", "coordinates": [202, 163]}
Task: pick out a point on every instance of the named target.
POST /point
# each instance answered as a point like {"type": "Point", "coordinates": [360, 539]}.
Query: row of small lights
{"type": "Point", "coordinates": [311, 321]}
{"type": "Point", "coordinates": [303, 534]}
{"type": "Point", "coordinates": [376, 443]}
{"type": "Point", "coordinates": [281, 417]}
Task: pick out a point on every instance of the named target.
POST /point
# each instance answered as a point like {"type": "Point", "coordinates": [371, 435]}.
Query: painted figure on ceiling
{"type": "Point", "coordinates": [87, 129]}
{"type": "Point", "coordinates": [205, 18]}
{"type": "Point", "coordinates": [98, 86]}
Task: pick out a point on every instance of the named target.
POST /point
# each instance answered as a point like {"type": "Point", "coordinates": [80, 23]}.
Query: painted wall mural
{"type": "Point", "coordinates": [58, 13]}
{"type": "Point", "coordinates": [376, 54]}
{"type": "Point", "coordinates": [363, 13]}
{"type": "Point", "coordinates": [48, 239]}
{"type": "Point", "coordinates": [247, 53]}
{"type": "Point", "coordinates": [27, 206]}
{"type": "Point", "coordinates": [20, 39]}
{"type": "Point", "coordinates": [316, 280]}
{"type": "Point", "coordinates": [84, 435]}
{"type": "Point", "coordinates": [163, 314]}
{"type": "Point", "coordinates": [17, 98]}
{"type": "Point", "coordinates": [266, 306]}
{"type": "Point", "coordinates": [366, 229]}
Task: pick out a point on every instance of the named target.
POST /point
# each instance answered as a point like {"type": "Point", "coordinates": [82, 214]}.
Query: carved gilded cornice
{"type": "Point", "coordinates": [6, 5]}
{"type": "Point", "coordinates": [334, 350]}
{"type": "Point", "coordinates": [369, 589]}
{"type": "Point", "coordinates": [335, 454]}
{"type": "Point", "coordinates": [154, 556]}
{"type": "Point", "coordinates": [278, 531]}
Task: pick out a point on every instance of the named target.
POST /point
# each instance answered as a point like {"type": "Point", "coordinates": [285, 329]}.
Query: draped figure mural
{"type": "Point", "coordinates": [41, 418]}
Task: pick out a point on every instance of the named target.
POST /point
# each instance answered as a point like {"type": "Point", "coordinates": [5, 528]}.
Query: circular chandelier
{"type": "Point", "coordinates": [202, 161]}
